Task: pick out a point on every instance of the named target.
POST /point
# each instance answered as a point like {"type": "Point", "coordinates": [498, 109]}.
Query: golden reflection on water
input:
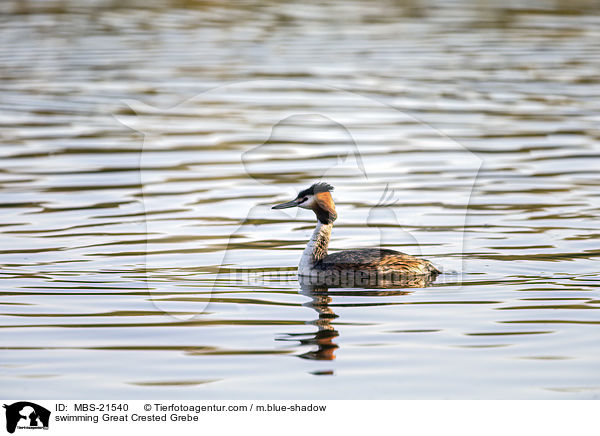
{"type": "Point", "coordinates": [326, 333]}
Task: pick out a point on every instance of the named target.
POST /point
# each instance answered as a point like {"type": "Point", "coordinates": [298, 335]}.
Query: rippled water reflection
{"type": "Point", "coordinates": [143, 145]}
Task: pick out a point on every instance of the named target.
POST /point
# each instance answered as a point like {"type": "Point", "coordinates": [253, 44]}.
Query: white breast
{"type": "Point", "coordinates": [306, 261]}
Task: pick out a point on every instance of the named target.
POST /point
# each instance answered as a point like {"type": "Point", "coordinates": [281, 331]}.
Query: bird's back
{"type": "Point", "coordinates": [376, 260]}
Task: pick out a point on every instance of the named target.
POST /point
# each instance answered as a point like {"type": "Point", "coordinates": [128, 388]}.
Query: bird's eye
{"type": "Point", "coordinates": [304, 199]}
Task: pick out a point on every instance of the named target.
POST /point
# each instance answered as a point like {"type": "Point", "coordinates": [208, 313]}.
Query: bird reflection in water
{"type": "Point", "coordinates": [320, 299]}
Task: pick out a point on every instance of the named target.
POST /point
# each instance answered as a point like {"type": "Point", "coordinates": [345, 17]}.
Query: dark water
{"type": "Point", "coordinates": [144, 143]}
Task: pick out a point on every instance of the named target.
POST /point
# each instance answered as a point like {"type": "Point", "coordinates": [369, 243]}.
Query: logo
{"type": "Point", "coordinates": [26, 415]}
{"type": "Point", "coordinates": [347, 152]}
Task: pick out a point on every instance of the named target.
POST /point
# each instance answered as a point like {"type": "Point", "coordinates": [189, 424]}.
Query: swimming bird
{"type": "Point", "coordinates": [367, 264]}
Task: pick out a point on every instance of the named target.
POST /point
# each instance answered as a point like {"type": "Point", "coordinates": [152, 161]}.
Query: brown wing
{"type": "Point", "coordinates": [377, 259]}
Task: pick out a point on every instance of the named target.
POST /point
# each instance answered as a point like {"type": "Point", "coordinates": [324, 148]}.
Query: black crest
{"type": "Point", "coordinates": [316, 188]}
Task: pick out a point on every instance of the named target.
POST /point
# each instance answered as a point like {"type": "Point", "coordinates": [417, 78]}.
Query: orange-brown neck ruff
{"type": "Point", "coordinates": [324, 208]}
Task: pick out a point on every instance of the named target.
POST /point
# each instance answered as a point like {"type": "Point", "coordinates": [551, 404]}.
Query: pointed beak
{"type": "Point", "coordinates": [292, 203]}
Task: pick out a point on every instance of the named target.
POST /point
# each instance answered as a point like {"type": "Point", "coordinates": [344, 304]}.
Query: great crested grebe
{"type": "Point", "coordinates": [368, 263]}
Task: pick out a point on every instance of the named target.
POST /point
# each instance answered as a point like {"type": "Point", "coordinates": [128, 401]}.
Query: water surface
{"type": "Point", "coordinates": [143, 144]}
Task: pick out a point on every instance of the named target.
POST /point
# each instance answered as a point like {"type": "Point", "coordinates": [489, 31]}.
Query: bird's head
{"type": "Point", "coordinates": [318, 199]}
